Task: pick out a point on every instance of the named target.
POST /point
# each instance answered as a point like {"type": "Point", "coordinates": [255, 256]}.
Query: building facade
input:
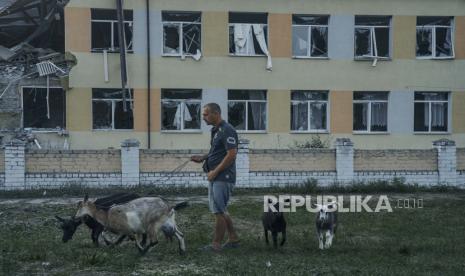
{"type": "Point", "coordinates": [386, 74]}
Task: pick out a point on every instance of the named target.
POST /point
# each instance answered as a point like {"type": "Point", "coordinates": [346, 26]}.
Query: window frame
{"type": "Point", "coordinates": [43, 130]}
{"type": "Point", "coordinates": [373, 41]}
{"type": "Point", "coordinates": [309, 102]}
{"type": "Point", "coordinates": [370, 102]}
{"type": "Point", "coordinates": [183, 102]}
{"type": "Point", "coordinates": [114, 29]}
{"type": "Point", "coordinates": [433, 40]}
{"type": "Point", "coordinates": [309, 37]}
{"type": "Point", "coordinates": [246, 124]}
{"type": "Point", "coordinates": [261, 24]}
{"type": "Point", "coordinates": [181, 39]}
{"type": "Point", "coordinates": [130, 102]}
{"type": "Point", "coordinates": [448, 101]}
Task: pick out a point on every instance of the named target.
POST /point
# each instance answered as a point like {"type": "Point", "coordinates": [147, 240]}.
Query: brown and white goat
{"type": "Point", "coordinates": [137, 218]}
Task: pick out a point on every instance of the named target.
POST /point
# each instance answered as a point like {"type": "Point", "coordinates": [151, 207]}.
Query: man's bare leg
{"type": "Point", "coordinates": [232, 235]}
{"type": "Point", "coordinates": [220, 230]}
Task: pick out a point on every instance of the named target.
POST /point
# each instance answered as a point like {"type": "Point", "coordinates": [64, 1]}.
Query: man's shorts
{"type": "Point", "coordinates": [218, 196]}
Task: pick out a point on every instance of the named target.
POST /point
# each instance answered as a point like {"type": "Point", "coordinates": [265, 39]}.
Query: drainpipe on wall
{"type": "Point", "coordinates": [148, 76]}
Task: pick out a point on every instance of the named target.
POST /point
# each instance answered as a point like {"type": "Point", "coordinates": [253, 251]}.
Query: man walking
{"type": "Point", "coordinates": [220, 165]}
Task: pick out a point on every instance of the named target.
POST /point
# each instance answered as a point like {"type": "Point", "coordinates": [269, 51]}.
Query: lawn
{"type": "Point", "coordinates": [420, 241]}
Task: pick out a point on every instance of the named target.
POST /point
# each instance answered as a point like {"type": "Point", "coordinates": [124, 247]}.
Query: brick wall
{"type": "Point", "coordinates": [390, 160]}
{"type": "Point", "coordinates": [461, 159]}
{"type": "Point", "coordinates": [168, 160]}
{"type": "Point", "coordinates": [86, 161]}
{"type": "Point", "coordinates": [292, 160]}
{"type": "Point", "coordinates": [2, 161]}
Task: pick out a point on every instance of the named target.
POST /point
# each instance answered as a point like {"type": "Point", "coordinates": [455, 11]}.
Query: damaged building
{"type": "Point", "coordinates": [385, 74]}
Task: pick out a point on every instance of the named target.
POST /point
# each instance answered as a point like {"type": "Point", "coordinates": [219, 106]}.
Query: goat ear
{"type": "Point", "coordinates": [86, 197]}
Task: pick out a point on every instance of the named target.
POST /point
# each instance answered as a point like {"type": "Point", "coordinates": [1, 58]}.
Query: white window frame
{"type": "Point", "coordinates": [309, 39]}
{"type": "Point", "coordinates": [370, 102]}
{"type": "Point", "coordinates": [40, 130]}
{"type": "Point", "coordinates": [374, 46]}
{"type": "Point", "coordinates": [183, 107]}
{"type": "Point", "coordinates": [246, 123]}
{"type": "Point", "coordinates": [430, 102]}
{"type": "Point", "coordinates": [114, 48]}
{"type": "Point", "coordinates": [433, 39]}
{"type": "Point", "coordinates": [309, 102]}
{"type": "Point", "coordinates": [249, 55]}
{"type": "Point", "coordinates": [130, 105]}
{"type": "Point", "coordinates": [181, 38]}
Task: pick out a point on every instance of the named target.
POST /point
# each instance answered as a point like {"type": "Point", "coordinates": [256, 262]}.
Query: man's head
{"type": "Point", "coordinates": [212, 114]}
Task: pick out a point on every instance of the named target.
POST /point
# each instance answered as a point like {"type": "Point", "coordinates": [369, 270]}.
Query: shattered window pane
{"type": "Point", "coordinates": [309, 107]}
{"type": "Point", "coordinates": [370, 111]}
{"type": "Point", "coordinates": [237, 115]}
{"type": "Point", "coordinates": [318, 116]}
{"type": "Point", "coordinates": [310, 36]}
{"type": "Point", "coordinates": [107, 109]}
{"type": "Point", "coordinates": [431, 111]}
{"type": "Point", "coordinates": [181, 33]}
{"type": "Point", "coordinates": [372, 37]}
{"type": "Point", "coordinates": [299, 116]}
{"type": "Point", "coordinates": [104, 26]}
{"type": "Point", "coordinates": [434, 37]}
{"type": "Point", "coordinates": [247, 109]}
{"type": "Point", "coordinates": [248, 33]}
{"type": "Point", "coordinates": [39, 114]}
{"type": "Point", "coordinates": [181, 109]}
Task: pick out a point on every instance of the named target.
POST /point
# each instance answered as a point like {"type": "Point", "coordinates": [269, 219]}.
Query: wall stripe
{"type": "Point", "coordinates": [280, 32]}
{"type": "Point", "coordinates": [460, 37]}
{"type": "Point", "coordinates": [404, 37]}
{"type": "Point", "coordinates": [341, 111]}
{"type": "Point", "coordinates": [79, 109]}
{"type": "Point", "coordinates": [215, 34]}
{"type": "Point", "coordinates": [77, 29]}
{"type": "Point", "coordinates": [279, 111]}
{"type": "Point", "coordinates": [458, 112]}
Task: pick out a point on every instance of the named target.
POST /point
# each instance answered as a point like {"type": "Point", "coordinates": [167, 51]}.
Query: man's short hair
{"type": "Point", "coordinates": [213, 107]}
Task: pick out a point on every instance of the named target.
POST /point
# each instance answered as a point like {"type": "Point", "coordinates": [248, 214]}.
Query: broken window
{"type": "Point", "coordinates": [434, 37]}
{"type": "Point", "coordinates": [182, 33]}
{"type": "Point", "coordinates": [247, 109]}
{"type": "Point", "coordinates": [431, 111]}
{"type": "Point", "coordinates": [370, 111]}
{"type": "Point", "coordinates": [372, 37]}
{"type": "Point", "coordinates": [309, 110]}
{"type": "Point", "coordinates": [44, 108]}
{"type": "Point", "coordinates": [180, 109]}
{"type": "Point", "coordinates": [107, 109]}
{"type": "Point", "coordinates": [105, 30]}
{"type": "Point", "coordinates": [248, 35]}
{"type": "Point", "coordinates": [310, 36]}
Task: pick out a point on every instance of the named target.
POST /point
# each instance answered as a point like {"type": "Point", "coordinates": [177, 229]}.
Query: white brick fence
{"type": "Point", "coordinates": [26, 169]}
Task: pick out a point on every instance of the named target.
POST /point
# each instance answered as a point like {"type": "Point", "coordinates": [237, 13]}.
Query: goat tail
{"type": "Point", "coordinates": [180, 205]}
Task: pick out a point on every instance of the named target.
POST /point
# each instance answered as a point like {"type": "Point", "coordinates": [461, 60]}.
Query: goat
{"type": "Point", "coordinates": [69, 226]}
{"type": "Point", "coordinates": [137, 218]}
{"type": "Point", "coordinates": [275, 223]}
{"type": "Point", "coordinates": [326, 224]}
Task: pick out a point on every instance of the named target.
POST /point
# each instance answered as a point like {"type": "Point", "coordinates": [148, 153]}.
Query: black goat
{"type": "Point", "coordinates": [69, 226]}
{"type": "Point", "coordinates": [275, 223]}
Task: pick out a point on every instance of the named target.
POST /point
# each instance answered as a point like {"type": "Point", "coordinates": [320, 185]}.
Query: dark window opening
{"type": "Point", "coordinates": [310, 36]}
{"type": "Point", "coordinates": [246, 30]}
{"type": "Point", "coordinates": [104, 26]}
{"type": "Point", "coordinates": [181, 109]}
{"type": "Point", "coordinates": [182, 33]}
{"type": "Point", "coordinates": [434, 37]}
{"type": "Point", "coordinates": [40, 114]}
{"type": "Point", "coordinates": [431, 111]}
{"type": "Point", "coordinates": [372, 36]}
{"type": "Point", "coordinates": [107, 109]}
{"type": "Point", "coordinates": [370, 111]}
{"type": "Point", "coordinates": [247, 109]}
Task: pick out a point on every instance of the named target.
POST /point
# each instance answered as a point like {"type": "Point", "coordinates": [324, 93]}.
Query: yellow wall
{"type": "Point", "coordinates": [460, 37]}
{"type": "Point", "coordinates": [79, 109]}
{"type": "Point", "coordinates": [341, 111]}
{"type": "Point", "coordinates": [140, 110]}
{"type": "Point", "coordinates": [215, 37]}
{"type": "Point", "coordinates": [279, 110]}
{"type": "Point", "coordinates": [155, 110]}
{"type": "Point", "coordinates": [280, 34]}
{"type": "Point", "coordinates": [404, 37]}
{"type": "Point", "coordinates": [458, 112]}
{"type": "Point", "coordinates": [77, 29]}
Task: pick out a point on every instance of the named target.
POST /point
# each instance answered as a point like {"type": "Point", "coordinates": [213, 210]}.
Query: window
{"type": "Point", "coordinates": [107, 109]}
{"type": "Point", "coordinates": [431, 111]}
{"type": "Point", "coordinates": [310, 36]}
{"type": "Point", "coordinates": [370, 111]}
{"type": "Point", "coordinates": [181, 33]}
{"type": "Point", "coordinates": [180, 109]}
{"type": "Point", "coordinates": [105, 30]}
{"type": "Point", "coordinates": [248, 34]}
{"type": "Point", "coordinates": [44, 108]}
{"type": "Point", "coordinates": [372, 37]}
{"type": "Point", "coordinates": [435, 37]}
{"type": "Point", "coordinates": [309, 110]}
{"type": "Point", "coordinates": [247, 109]}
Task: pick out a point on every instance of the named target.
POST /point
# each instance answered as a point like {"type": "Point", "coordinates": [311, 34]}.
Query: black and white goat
{"type": "Point", "coordinates": [326, 224]}
{"type": "Point", "coordinates": [275, 223]}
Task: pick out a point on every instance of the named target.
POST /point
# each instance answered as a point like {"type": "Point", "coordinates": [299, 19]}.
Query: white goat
{"type": "Point", "coordinates": [326, 224]}
{"type": "Point", "coordinates": [139, 218]}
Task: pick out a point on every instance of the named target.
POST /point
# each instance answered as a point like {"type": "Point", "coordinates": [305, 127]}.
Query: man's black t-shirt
{"type": "Point", "coordinates": [223, 138]}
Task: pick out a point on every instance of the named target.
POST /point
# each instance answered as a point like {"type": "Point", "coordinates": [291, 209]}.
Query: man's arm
{"type": "Point", "coordinates": [226, 162]}
{"type": "Point", "coordinates": [199, 158]}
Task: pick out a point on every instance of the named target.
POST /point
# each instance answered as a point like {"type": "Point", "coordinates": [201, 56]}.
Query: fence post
{"type": "Point", "coordinates": [447, 161]}
{"type": "Point", "coordinates": [242, 163]}
{"type": "Point", "coordinates": [15, 165]}
{"type": "Point", "coordinates": [130, 162]}
{"type": "Point", "coordinates": [344, 160]}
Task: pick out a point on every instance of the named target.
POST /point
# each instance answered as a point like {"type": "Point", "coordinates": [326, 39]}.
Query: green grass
{"type": "Point", "coordinates": [427, 241]}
